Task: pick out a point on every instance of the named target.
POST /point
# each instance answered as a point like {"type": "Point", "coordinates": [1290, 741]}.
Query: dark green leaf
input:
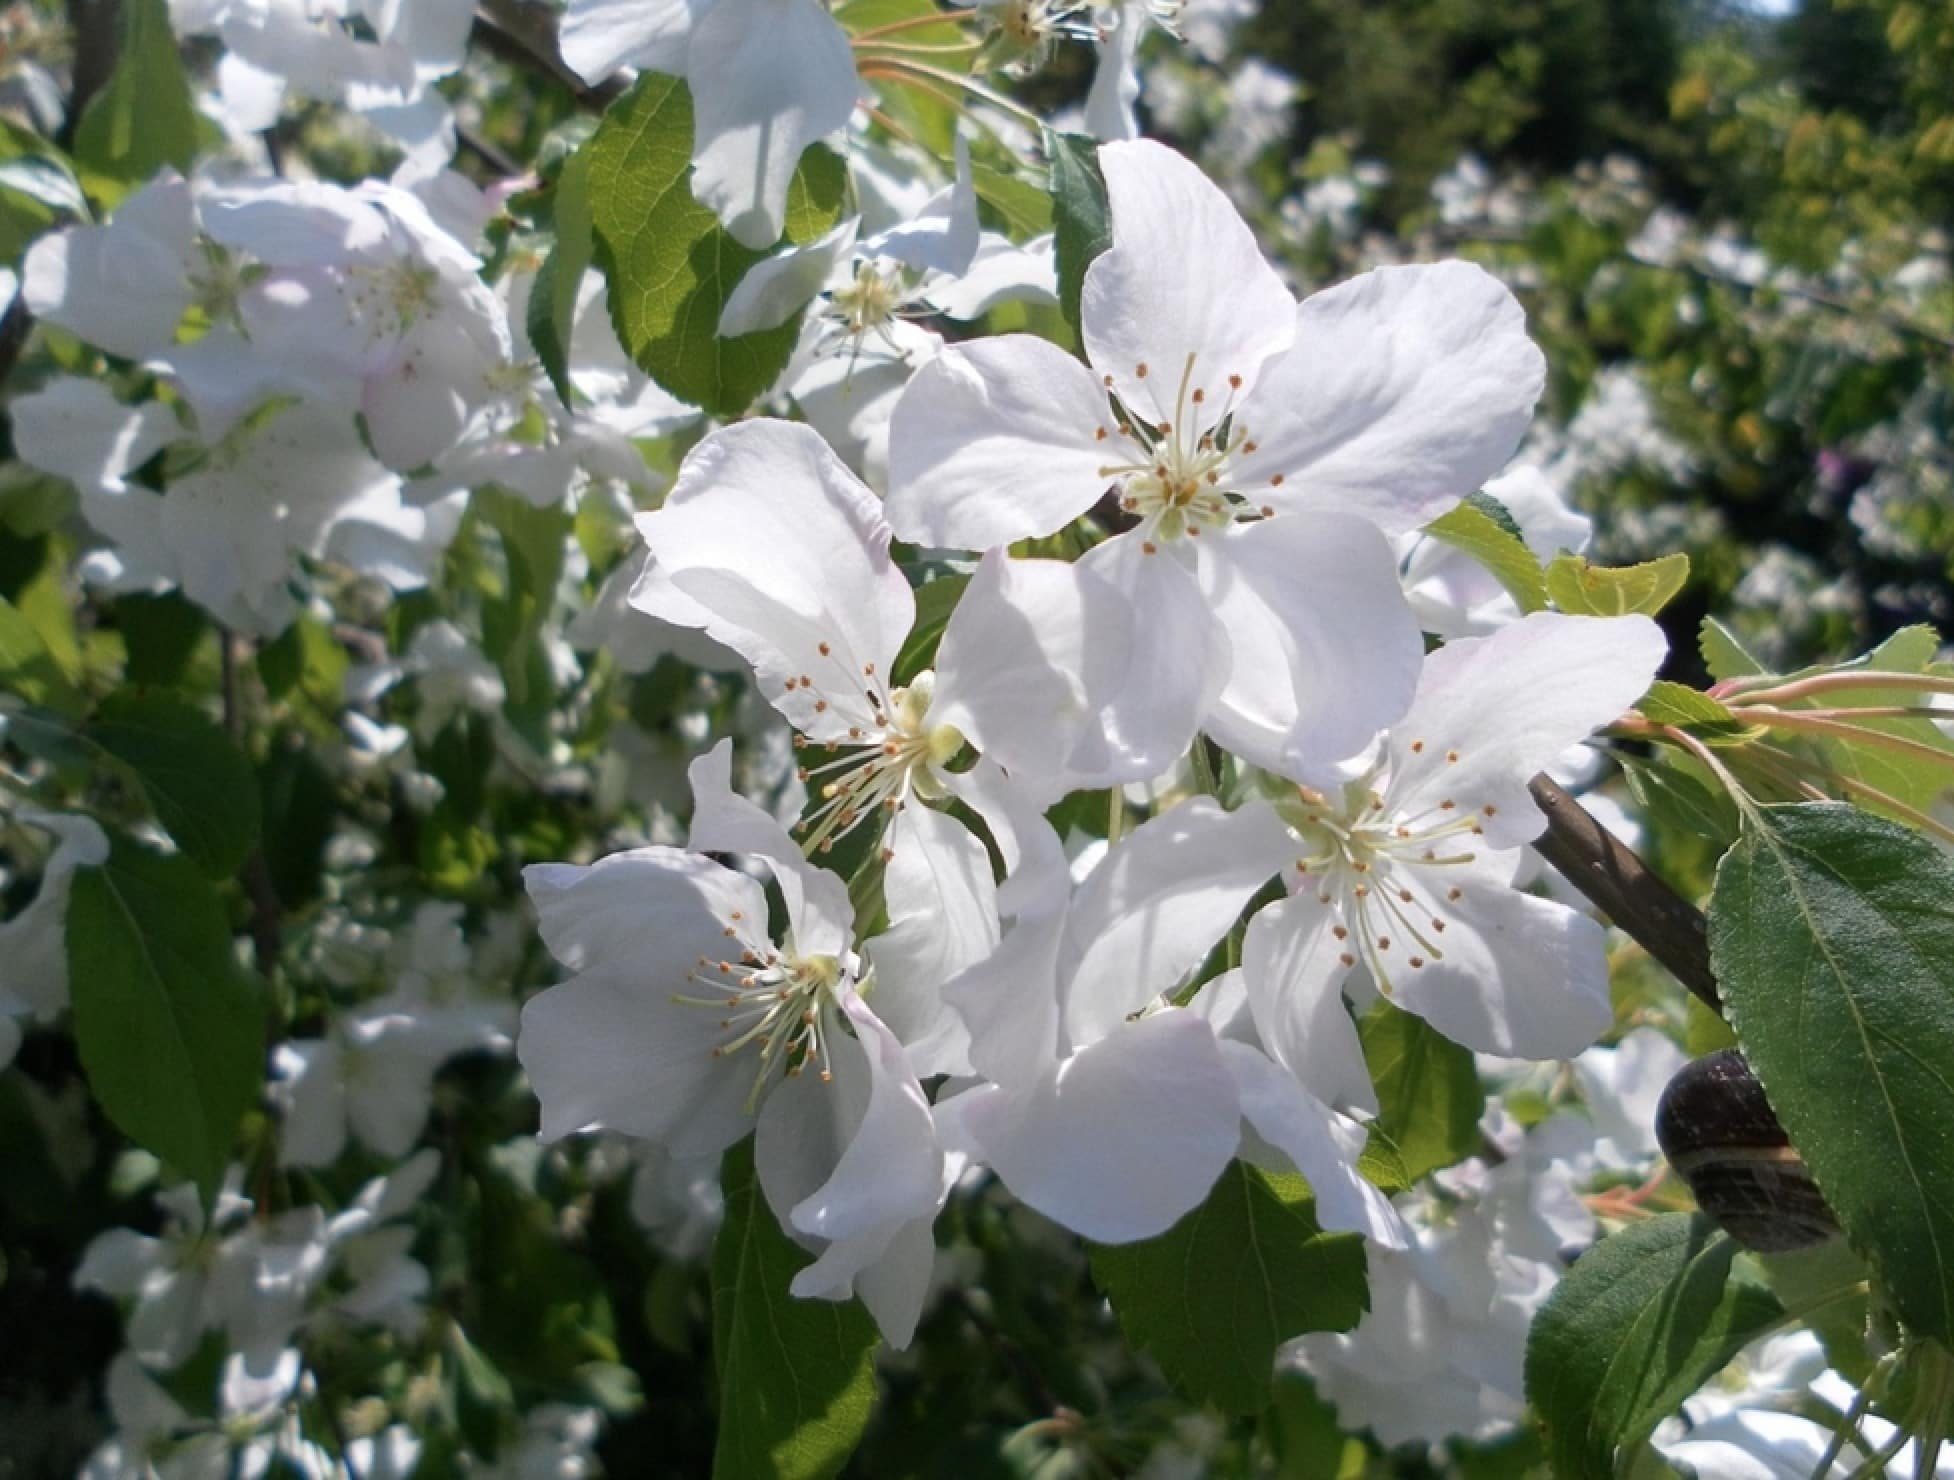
{"type": "Point", "coordinates": [171, 1033]}
{"type": "Point", "coordinates": [145, 117]}
{"type": "Point", "coordinates": [1428, 1094]}
{"type": "Point", "coordinates": [669, 264]}
{"type": "Point", "coordinates": [1832, 936]}
{"type": "Point", "coordinates": [935, 600]}
{"type": "Point", "coordinates": [197, 781]}
{"type": "Point", "coordinates": [300, 809]}
{"type": "Point", "coordinates": [160, 635]}
{"type": "Point", "coordinates": [1642, 1320]}
{"type": "Point", "coordinates": [796, 1377]}
{"type": "Point", "coordinates": [1082, 217]}
{"type": "Point", "coordinates": [1214, 1296]}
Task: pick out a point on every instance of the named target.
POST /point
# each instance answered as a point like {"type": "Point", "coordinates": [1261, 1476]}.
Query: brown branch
{"type": "Point", "coordinates": [523, 33]}
{"type": "Point", "coordinates": [1615, 879]}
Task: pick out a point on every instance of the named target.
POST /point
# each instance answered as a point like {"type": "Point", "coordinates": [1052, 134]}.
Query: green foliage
{"type": "Point", "coordinates": [1695, 713]}
{"type": "Point", "coordinates": [1213, 1297]}
{"type": "Point", "coordinates": [197, 782]}
{"type": "Point", "coordinates": [553, 300]}
{"type": "Point", "coordinates": [28, 667]}
{"type": "Point", "coordinates": [1585, 590]}
{"type": "Point", "coordinates": [670, 266]}
{"type": "Point", "coordinates": [1832, 934]}
{"type": "Point", "coordinates": [1082, 220]}
{"type": "Point", "coordinates": [1428, 1095]}
{"type": "Point", "coordinates": [1641, 1321]}
{"type": "Point", "coordinates": [145, 118]}
{"type": "Point", "coordinates": [796, 1377]}
{"type": "Point", "coordinates": [1481, 532]}
{"type": "Point", "coordinates": [171, 1033]}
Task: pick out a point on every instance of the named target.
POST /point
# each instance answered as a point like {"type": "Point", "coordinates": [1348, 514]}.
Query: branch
{"type": "Point", "coordinates": [1622, 886]}
{"type": "Point", "coordinates": [523, 33]}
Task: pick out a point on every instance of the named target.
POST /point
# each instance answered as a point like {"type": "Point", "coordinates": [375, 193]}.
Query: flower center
{"type": "Point", "coordinates": [1382, 871]}
{"type": "Point", "coordinates": [878, 769]}
{"type": "Point", "coordinates": [869, 303]}
{"type": "Point", "coordinates": [774, 1001]}
{"type": "Point", "coordinates": [1177, 484]}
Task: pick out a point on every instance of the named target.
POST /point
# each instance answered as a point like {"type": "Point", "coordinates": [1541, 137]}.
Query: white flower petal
{"type": "Point", "coordinates": [1326, 651]}
{"type": "Point", "coordinates": [1318, 1142]}
{"type": "Point", "coordinates": [1491, 712]}
{"type": "Point", "coordinates": [1032, 655]}
{"type": "Point", "coordinates": [942, 903]}
{"type": "Point", "coordinates": [1155, 906]}
{"type": "Point", "coordinates": [999, 440]}
{"type": "Point", "coordinates": [891, 1169]}
{"type": "Point", "coordinates": [778, 287]}
{"type": "Point", "coordinates": [818, 910]}
{"type": "Point", "coordinates": [770, 77]}
{"type": "Point", "coordinates": [1520, 976]}
{"type": "Point", "coordinates": [786, 550]}
{"type": "Point", "coordinates": [600, 36]}
{"type": "Point", "coordinates": [124, 286]}
{"type": "Point", "coordinates": [1184, 290]}
{"type": "Point", "coordinates": [1179, 658]}
{"type": "Point", "coordinates": [1407, 388]}
{"type": "Point", "coordinates": [1122, 1139]}
{"type": "Point", "coordinates": [1292, 967]}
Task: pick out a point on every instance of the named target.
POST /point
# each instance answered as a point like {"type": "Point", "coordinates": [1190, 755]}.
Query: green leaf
{"type": "Point", "coordinates": [170, 1031]}
{"type": "Point", "coordinates": [1697, 713]}
{"type": "Point", "coordinates": [1598, 591]}
{"type": "Point", "coordinates": [1428, 1093]}
{"type": "Point", "coordinates": [27, 667]}
{"type": "Point", "coordinates": [1641, 1321]}
{"type": "Point", "coordinates": [145, 117]}
{"type": "Point", "coordinates": [1214, 1296]}
{"type": "Point", "coordinates": [1082, 216]}
{"type": "Point", "coordinates": [553, 300]}
{"type": "Point", "coordinates": [1913, 779]}
{"type": "Point", "coordinates": [935, 600]}
{"type": "Point", "coordinates": [1479, 534]}
{"type": "Point", "coordinates": [161, 635]}
{"type": "Point", "coordinates": [197, 781]}
{"type": "Point", "coordinates": [1723, 655]}
{"type": "Point", "coordinates": [1025, 209]}
{"type": "Point", "coordinates": [796, 1377]}
{"type": "Point", "coordinates": [1832, 937]}
{"type": "Point", "coordinates": [1674, 798]}
{"type": "Point", "coordinates": [670, 266]}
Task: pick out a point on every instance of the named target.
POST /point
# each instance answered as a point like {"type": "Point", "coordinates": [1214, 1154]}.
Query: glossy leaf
{"type": "Point", "coordinates": [1428, 1093]}
{"type": "Point", "coordinates": [669, 264]}
{"type": "Point", "coordinates": [1215, 1296]}
{"type": "Point", "coordinates": [796, 1377]}
{"type": "Point", "coordinates": [196, 780]}
{"type": "Point", "coordinates": [1832, 936]}
{"type": "Point", "coordinates": [171, 1033]}
{"type": "Point", "coordinates": [1642, 1320]}
{"type": "Point", "coordinates": [1082, 216]}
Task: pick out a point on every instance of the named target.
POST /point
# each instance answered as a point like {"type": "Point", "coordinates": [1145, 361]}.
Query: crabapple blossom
{"type": "Point", "coordinates": [33, 944]}
{"type": "Point", "coordinates": [1406, 870]}
{"type": "Point", "coordinates": [664, 1034]}
{"type": "Point", "coordinates": [1260, 452]}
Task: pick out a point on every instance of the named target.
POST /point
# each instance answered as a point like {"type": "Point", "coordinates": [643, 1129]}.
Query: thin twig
{"type": "Point", "coordinates": [1612, 876]}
